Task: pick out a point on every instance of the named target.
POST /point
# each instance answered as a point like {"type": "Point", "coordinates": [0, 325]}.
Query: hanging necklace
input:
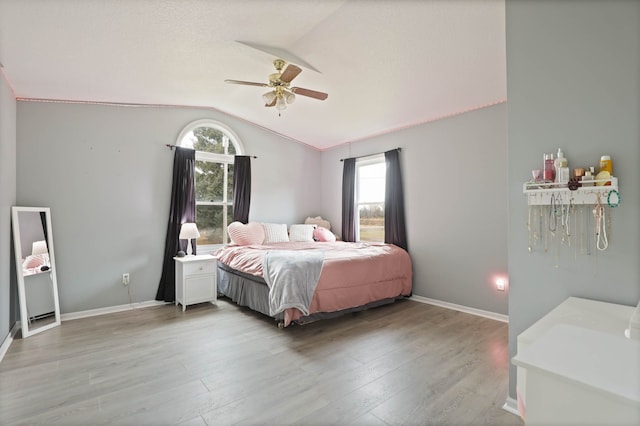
{"type": "Point", "coordinates": [565, 222]}
{"type": "Point", "coordinates": [601, 226]}
{"type": "Point", "coordinates": [529, 230]}
{"type": "Point", "coordinates": [553, 211]}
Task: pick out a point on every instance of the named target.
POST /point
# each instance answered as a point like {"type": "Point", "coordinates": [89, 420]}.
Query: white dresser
{"type": "Point", "coordinates": [196, 280]}
{"type": "Point", "coordinates": [575, 366]}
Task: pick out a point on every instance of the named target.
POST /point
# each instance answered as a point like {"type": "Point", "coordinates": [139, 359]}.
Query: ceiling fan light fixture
{"type": "Point", "coordinates": [281, 94]}
{"type": "Point", "coordinates": [269, 97]}
{"type": "Point", "coordinates": [289, 97]}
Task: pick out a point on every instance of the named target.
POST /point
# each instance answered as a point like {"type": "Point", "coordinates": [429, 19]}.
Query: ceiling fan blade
{"type": "Point", "coordinates": [290, 72]}
{"type": "Point", "coordinates": [310, 93]}
{"type": "Point", "coordinates": [246, 83]}
{"type": "Point", "coordinates": [273, 103]}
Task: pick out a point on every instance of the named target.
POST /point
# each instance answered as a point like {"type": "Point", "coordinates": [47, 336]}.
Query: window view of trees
{"type": "Point", "coordinates": [370, 176]}
{"type": "Point", "coordinates": [213, 182]}
{"type": "Point", "coordinates": [371, 222]}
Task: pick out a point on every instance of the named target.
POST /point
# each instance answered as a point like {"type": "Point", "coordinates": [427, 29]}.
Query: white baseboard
{"type": "Point", "coordinates": [110, 310]}
{"type": "Point", "coordinates": [511, 405]}
{"type": "Point", "coordinates": [7, 341]}
{"type": "Point", "coordinates": [462, 308]}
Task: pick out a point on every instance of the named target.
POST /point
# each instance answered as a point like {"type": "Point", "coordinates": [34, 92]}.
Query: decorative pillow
{"type": "Point", "coordinates": [35, 261]}
{"type": "Point", "coordinates": [319, 221]}
{"type": "Point", "coordinates": [301, 232]}
{"type": "Point", "coordinates": [244, 235]}
{"type": "Point", "coordinates": [275, 233]}
{"type": "Point", "coordinates": [323, 235]}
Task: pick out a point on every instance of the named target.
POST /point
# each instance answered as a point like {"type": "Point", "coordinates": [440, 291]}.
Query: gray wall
{"type": "Point", "coordinates": [8, 299]}
{"type": "Point", "coordinates": [106, 175]}
{"type": "Point", "coordinates": [573, 72]}
{"type": "Point", "coordinates": [454, 173]}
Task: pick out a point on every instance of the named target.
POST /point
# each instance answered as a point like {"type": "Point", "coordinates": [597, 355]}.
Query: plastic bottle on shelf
{"type": "Point", "coordinates": [606, 170]}
{"type": "Point", "coordinates": [606, 164]}
{"type": "Point", "coordinates": [556, 163]}
{"type": "Point", "coordinates": [549, 173]}
{"type": "Point", "coordinates": [561, 165]}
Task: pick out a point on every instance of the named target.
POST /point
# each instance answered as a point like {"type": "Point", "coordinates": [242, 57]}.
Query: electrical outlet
{"type": "Point", "coordinates": [125, 279]}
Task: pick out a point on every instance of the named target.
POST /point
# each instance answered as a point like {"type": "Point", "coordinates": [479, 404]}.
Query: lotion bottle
{"type": "Point", "coordinates": [561, 165]}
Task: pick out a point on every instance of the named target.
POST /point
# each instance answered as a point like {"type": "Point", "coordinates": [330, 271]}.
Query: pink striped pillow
{"type": "Point", "coordinates": [244, 235]}
{"type": "Point", "coordinates": [34, 261]}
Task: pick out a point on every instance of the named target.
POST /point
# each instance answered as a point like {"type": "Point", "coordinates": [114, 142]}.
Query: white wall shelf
{"type": "Point", "coordinates": [541, 194]}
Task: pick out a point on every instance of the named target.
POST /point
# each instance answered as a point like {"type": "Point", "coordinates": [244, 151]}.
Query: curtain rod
{"type": "Point", "coordinates": [175, 146]}
{"type": "Point", "coordinates": [371, 155]}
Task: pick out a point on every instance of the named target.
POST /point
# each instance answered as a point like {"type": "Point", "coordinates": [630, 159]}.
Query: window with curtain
{"type": "Point", "coordinates": [215, 145]}
{"type": "Point", "coordinates": [370, 192]}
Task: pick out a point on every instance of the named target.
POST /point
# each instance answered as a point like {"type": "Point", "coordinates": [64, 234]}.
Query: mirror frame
{"type": "Point", "coordinates": [17, 245]}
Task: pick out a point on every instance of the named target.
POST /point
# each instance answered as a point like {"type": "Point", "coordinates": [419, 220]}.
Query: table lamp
{"type": "Point", "coordinates": [189, 231]}
{"type": "Point", "coordinates": [39, 247]}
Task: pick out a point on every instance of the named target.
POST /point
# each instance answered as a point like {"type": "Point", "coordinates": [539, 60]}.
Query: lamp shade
{"type": "Point", "coordinates": [189, 231]}
{"type": "Point", "coordinates": [280, 103]}
{"type": "Point", "coordinates": [269, 97]}
{"type": "Point", "coordinates": [289, 97]}
{"type": "Point", "coordinates": [39, 247]}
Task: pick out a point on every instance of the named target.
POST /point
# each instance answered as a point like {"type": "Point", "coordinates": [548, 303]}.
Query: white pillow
{"type": "Point", "coordinates": [301, 232]}
{"type": "Point", "coordinates": [275, 233]}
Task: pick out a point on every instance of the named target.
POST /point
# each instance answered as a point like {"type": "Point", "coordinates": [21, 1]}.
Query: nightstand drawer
{"type": "Point", "coordinates": [197, 268]}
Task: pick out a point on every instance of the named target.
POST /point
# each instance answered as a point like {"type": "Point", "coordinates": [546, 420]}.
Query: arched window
{"type": "Point", "coordinates": [215, 146]}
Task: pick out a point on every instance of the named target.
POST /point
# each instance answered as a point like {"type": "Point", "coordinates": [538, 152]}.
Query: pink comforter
{"type": "Point", "coordinates": [353, 274]}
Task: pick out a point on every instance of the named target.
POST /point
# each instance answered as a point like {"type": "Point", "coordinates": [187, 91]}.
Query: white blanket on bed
{"type": "Point", "coordinates": [292, 277]}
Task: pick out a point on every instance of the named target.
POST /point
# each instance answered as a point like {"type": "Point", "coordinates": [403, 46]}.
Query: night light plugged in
{"type": "Point", "coordinates": [501, 283]}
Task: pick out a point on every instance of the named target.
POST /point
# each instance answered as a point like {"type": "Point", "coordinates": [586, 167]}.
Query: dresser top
{"type": "Point", "coordinates": [598, 316]}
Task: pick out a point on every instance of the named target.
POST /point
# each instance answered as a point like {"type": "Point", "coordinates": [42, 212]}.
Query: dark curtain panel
{"type": "Point", "coordinates": [182, 209]}
{"type": "Point", "coordinates": [395, 231]}
{"type": "Point", "coordinates": [349, 199]}
{"type": "Point", "coordinates": [241, 188]}
{"type": "Point", "coordinates": [43, 219]}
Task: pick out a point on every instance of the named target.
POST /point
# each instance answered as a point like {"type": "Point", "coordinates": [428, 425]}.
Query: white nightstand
{"type": "Point", "coordinates": [196, 279]}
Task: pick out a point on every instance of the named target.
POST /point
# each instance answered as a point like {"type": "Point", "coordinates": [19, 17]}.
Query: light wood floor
{"type": "Point", "coordinates": [404, 364]}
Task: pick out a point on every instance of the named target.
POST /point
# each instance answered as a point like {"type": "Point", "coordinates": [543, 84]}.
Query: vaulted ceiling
{"type": "Point", "coordinates": [386, 65]}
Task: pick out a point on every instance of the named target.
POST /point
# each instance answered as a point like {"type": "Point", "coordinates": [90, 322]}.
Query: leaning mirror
{"type": "Point", "coordinates": [35, 269]}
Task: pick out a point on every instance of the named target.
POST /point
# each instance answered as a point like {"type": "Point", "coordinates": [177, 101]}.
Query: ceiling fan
{"type": "Point", "coordinates": [281, 94]}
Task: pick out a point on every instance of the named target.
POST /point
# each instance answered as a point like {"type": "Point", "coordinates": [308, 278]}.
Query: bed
{"type": "Point", "coordinates": [351, 277]}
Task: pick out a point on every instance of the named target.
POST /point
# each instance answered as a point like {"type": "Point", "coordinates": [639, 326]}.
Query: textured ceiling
{"type": "Point", "coordinates": [385, 64]}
